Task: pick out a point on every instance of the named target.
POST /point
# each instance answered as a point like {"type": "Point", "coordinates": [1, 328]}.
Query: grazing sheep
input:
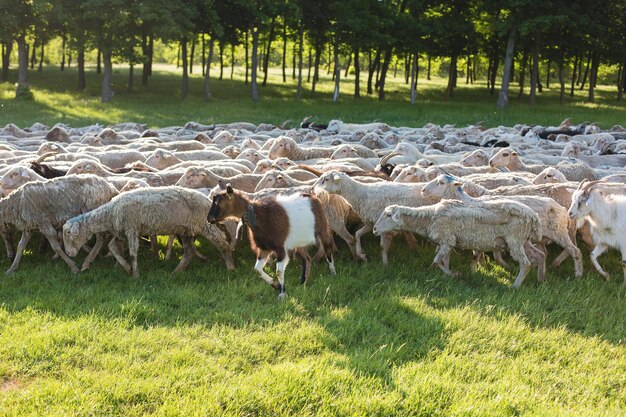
{"type": "Point", "coordinates": [148, 211]}
{"type": "Point", "coordinates": [483, 226]}
{"type": "Point", "coordinates": [47, 205]}
{"type": "Point", "coordinates": [277, 225]}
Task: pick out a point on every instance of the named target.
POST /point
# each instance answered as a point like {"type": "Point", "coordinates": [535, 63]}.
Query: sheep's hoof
{"type": "Point", "coordinates": [282, 296]}
{"type": "Point", "coordinates": [276, 285]}
{"type": "Point", "coordinates": [361, 257]}
{"type": "Point", "coordinates": [456, 275]}
{"type": "Point", "coordinates": [9, 272]}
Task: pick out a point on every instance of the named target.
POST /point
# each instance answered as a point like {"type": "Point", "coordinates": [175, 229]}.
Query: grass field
{"type": "Point", "coordinates": [398, 340]}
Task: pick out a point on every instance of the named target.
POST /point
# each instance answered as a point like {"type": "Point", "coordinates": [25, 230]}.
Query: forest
{"type": "Point", "coordinates": [574, 42]}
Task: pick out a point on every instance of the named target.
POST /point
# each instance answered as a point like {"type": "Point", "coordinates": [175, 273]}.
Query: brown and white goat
{"type": "Point", "coordinates": [277, 225]}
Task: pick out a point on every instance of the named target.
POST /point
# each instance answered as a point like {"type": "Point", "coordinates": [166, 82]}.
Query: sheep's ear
{"type": "Point", "coordinates": [75, 229]}
{"type": "Point", "coordinates": [395, 217]}
{"type": "Point", "coordinates": [458, 184]}
{"type": "Point", "coordinates": [25, 174]}
{"type": "Point", "coordinates": [513, 153]}
{"type": "Point", "coordinates": [279, 177]}
{"type": "Point", "coordinates": [167, 156]}
{"type": "Point", "coordinates": [221, 184]}
{"type": "Point", "coordinates": [589, 201]}
{"type": "Point", "coordinates": [336, 177]}
{"type": "Point", "coordinates": [229, 191]}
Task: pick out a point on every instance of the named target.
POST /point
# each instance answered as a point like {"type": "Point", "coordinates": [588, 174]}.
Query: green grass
{"type": "Point", "coordinates": [397, 340]}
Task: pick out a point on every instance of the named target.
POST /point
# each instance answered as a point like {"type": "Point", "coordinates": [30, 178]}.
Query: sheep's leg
{"type": "Point", "coordinates": [56, 246]}
{"type": "Point", "coordinates": [571, 231]}
{"type": "Point", "coordinates": [537, 256]}
{"type": "Point", "coordinates": [8, 243]}
{"type": "Point", "coordinates": [410, 240]}
{"type": "Point", "coordinates": [117, 254]}
{"type": "Point", "coordinates": [342, 232]}
{"type": "Point", "coordinates": [154, 246]}
{"type": "Point", "coordinates": [497, 256]}
{"type": "Point", "coordinates": [170, 245]}
{"type": "Point", "coordinates": [21, 246]}
{"type": "Point", "coordinates": [585, 233]}
{"type": "Point", "coordinates": [187, 243]}
{"type": "Point", "coordinates": [569, 249]}
{"type": "Point", "coordinates": [261, 260]}
{"type": "Point", "coordinates": [306, 264]}
{"type": "Point", "coordinates": [282, 259]}
{"type": "Point", "coordinates": [133, 248]}
{"type": "Point", "coordinates": [357, 236]}
{"type": "Point", "coordinates": [385, 243]}
{"type": "Point", "coordinates": [93, 253]}
{"type": "Point", "coordinates": [219, 239]}
{"type": "Point", "coordinates": [442, 259]}
{"type": "Point", "coordinates": [597, 251]}
{"type": "Point", "coordinates": [518, 254]}
{"type": "Point", "coordinates": [479, 258]}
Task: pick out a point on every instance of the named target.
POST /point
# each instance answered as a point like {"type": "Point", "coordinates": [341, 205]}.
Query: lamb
{"type": "Point", "coordinates": [369, 200]}
{"type": "Point", "coordinates": [337, 209]}
{"type": "Point", "coordinates": [47, 205]}
{"type": "Point", "coordinates": [555, 223]}
{"type": "Point", "coordinates": [200, 177]}
{"type": "Point", "coordinates": [288, 148]}
{"type": "Point", "coordinates": [606, 213]}
{"type": "Point", "coordinates": [484, 226]}
{"type": "Point", "coordinates": [148, 211]}
{"type": "Point", "coordinates": [277, 225]}
{"type": "Point", "coordinates": [510, 160]}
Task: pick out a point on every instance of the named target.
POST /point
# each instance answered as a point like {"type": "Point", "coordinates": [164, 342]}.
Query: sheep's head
{"type": "Point", "coordinates": [571, 150]}
{"type": "Point", "coordinates": [582, 200]}
{"type": "Point", "coordinates": [86, 166]}
{"type": "Point", "coordinates": [133, 185]}
{"type": "Point", "coordinates": [282, 146]}
{"type": "Point", "coordinates": [331, 182]}
{"type": "Point", "coordinates": [272, 179]}
{"type": "Point", "coordinates": [503, 158]}
{"type": "Point", "coordinates": [388, 221]}
{"type": "Point", "coordinates": [224, 138]}
{"type": "Point", "coordinates": [475, 159]}
{"type": "Point", "coordinates": [250, 143]}
{"type": "Point", "coordinates": [16, 177]}
{"type": "Point", "coordinates": [91, 140]}
{"type": "Point", "coordinates": [194, 177]}
{"type": "Point", "coordinates": [231, 151]}
{"type": "Point", "coordinates": [263, 166]}
{"type": "Point", "coordinates": [226, 203]}
{"type": "Point", "coordinates": [411, 174]}
{"type": "Point", "coordinates": [161, 159]}
{"type": "Point", "coordinates": [549, 176]}
{"type": "Point", "coordinates": [202, 138]}
{"type": "Point", "coordinates": [50, 147]}
{"type": "Point", "coordinates": [284, 163]}
{"type": "Point", "coordinates": [441, 186]}
{"type": "Point", "coordinates": [251, 155]}
{"type": "Point", "coordinates": [345, 151]}
{"type": "Point", "coordinates": [74, 235]}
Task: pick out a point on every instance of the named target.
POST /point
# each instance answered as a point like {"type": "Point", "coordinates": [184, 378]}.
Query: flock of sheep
{"type": "Point", "coordinates": [501, 190]}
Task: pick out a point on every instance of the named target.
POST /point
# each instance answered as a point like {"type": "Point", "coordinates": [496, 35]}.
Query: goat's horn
{"type": "Point", "coordinates": [44, 156]}
{"type": "Point", "coordinates": [590, 184]}
{"type": "Point", "coordinates": [387, 157]}
{"type": "Point", "coordinates": [283, 125]}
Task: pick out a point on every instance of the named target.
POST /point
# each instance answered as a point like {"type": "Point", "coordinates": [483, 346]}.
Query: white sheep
{"type": "Point", "coordinates": [288, 148]}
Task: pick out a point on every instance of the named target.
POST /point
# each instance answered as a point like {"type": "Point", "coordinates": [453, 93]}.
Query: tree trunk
{"type": "Point", "coordinates": [22, 70]}
{"type": "Point", "coordinates": [232, 61]}
{"type": "Point", "coordinates": [357, 74]}
{"type": "Point", "coordinates": [203, 54]}
{"type": "Point", "coordinates": [255, 64]}
{"type": "Point", "coordinates": [451, 77]}
{"type": "Point", "coordinates": [345, 74]}
{"type": "Point", "coordinates": [428, 70]}
{"type": "Point", "coordinates": [595, 63]}
{"type": "Point", "coordinates": [414, 78]}
{"type": "Point", "coordinates": [63, 53]}
{"type": "Point", "coordinates": [337, 69]}
{"type": "Point", "coordinates": [308, 75]}
{"type": "Point", "coordinates": [468, 70]}
{"type": "Point", "coordinates": [522, 74]}
{"type": "Point", "coordinates": [561, 81]}
{"type": "Point", "coordinates": [221, 59]}
{"type": "Point", "coordinates": [580, 69]}
{"type": "Point", "coordinates": [285, 54]}
{"type": "Point", "coordinates": [293, 62]}
{"type": "Point", "coordinates": [534, 75]}
{"type": "Point", "coordinates": [474, 67]}
{"type": "Point", "coordinates": [574, 75]}
{"type": "Point", "coordinates": [69, 59]}
{"type": "Point", "coordinates": [247, 59]}
{"type": "Point", "coordinates": [82, 81]}
{"type": "Point", "coordinates": [370, 72]}
{"type": "Point", "coordinates": [548, 74]}
{"type": "Point", "coordinates": [184, 90]}
{"type": "Point", "coordinates": [316, 71]}
{"type": "Point", "coordinates": [7, 47]}
{"type": "Point", "coordinates": [207, 71]}
{"type": "Point", "coordinates": [144, 52]}
{"type": "Point", "coordinates": [193, 53]}
{"type": "Point", "coordinates": [99, 62]}
{"type": "Point", "coordinates": [107, 76]}
{"type": "Point", "coordinates": [621, 82]}
{"type": "Point", "coordinates": [330, 58]}
{"type": "Point", "coordinates": [41, 58]}
{"type": "Point", "coordinates": [150, 54]}
{"type": "Point", "coordinates": [300, 60]}
{"type": "Point", "coordinates": [494, 73]}
{"type": "Point", "coordinates": [131, 73]}
{"type": "Point", "coordinates": [584, 80]}
{"type": "Point", "coordinates": [33, 55]}
{"type": "Point", "coordinates": [407, 68]}
{"type": "Point", "coordinates": [503, 95]}
{"type": "Point", "coordinates": [383, 74]}
{"type": "Point", "coordinates": [268, 51]}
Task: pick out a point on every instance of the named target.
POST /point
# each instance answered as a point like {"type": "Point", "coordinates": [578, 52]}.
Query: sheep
{"type": "Point", "coordinates": [500, 179]}
{"type": "Point", "coordinates": [411, 174]}
{"type": "Point", "coordinates": [353, 151]}
{"type": "Point", "coordinates": [161, 159]}
{"type": "Point", "coordinates": [148, 211]}
{"type": "Point", "coordinates": [606, 213]}
{"type": "Point", "coordinates": [369, 200]}
{"type": "Point", "coordinates": [287, 147]}
{"type": "Point", "coordinates": [47, 205]}
{"type": "Point", "coordinates": [337, 209]}
{"type": "Point", "coordinates": [200, 177]}
{"type": "Point", "coordinates": [251, 155]}
{"type": "Point", "coordinates": [16, 177]}
{"type": "Point", "coordinates": [408, 153]}
{"type": "Point", "coordinates": [553, 217]}
{"type": "Point", "coordinates": [277, 225]}
{"type": "Point", "coordinates": [483, 226]}
{"type": "Point", "coordinates": [86, 166]}
{"type": "Point", "coordinates": [550, 175]}
{"type": "Point", "coordinates": [266, 165]}
{"type": "Point", "coordinates": [475, 158]}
